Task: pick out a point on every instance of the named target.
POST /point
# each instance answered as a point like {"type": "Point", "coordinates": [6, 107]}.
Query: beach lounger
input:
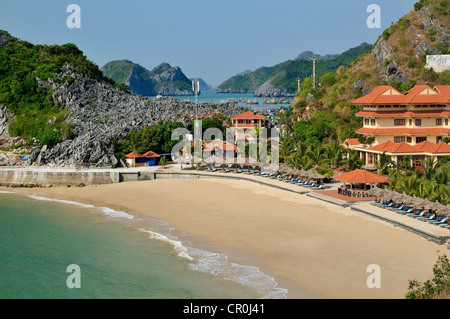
{"type": "Point", "coordinates": [397, 208]}
{"type": "Point", "coordinates": [445, 225]}
{"type": "Point", "coordinates": [317, 187]}
{"type": "Point", "coordinates": [415, 215]}
{"type": "Point", "coordinates": [388, 205]}
{"type": "Point", "coordinates": [310, 185]}
{"type": "Point", "coordinates": [406, 212]}
{"type": "Point", "coordinates": [439, 221]}
{"type": "Point", "coordinates": [424, 218]}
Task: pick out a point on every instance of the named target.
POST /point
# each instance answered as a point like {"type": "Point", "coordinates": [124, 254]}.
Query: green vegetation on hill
{"type": "Point", "coordinates": [291, 70]}
{"type": "Point", "coordinates": [118, 70]}
{"type": "Point", "coordinates": [250, 81]}
{"type": "Point", "coordinates": [303, 68]}
{"type": "Point", "coordinates": [21, 63]}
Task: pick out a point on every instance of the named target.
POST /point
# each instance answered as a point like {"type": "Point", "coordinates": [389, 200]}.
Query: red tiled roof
{"type": "Point", "coordinates": [392, 147]}
{"type": "Point", "coordinates": [361, 176]}
{"type": "Point", "coordinates": [404, 113]}
{"type": "Point", "coordinates": [352, 141]}
{"type": "Point", "coordinates": [249, 116]}
{"type": "Point", "coordinates": [133, 155]}
{"type": "Point", "coordinates": [430, 147]}
{"type": "Point", "coordinates": [379, 131]}
{"type": "Point", "coordinates": [150, 154]}
{"type": "Point", "coordinates": [223, 145]}
{"type": "Point", "coordinates": [419, 94]}
{"type": "Point", "coordinates": [424, 147]}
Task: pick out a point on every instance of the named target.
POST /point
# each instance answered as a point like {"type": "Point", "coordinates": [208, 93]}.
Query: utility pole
{"type": "Point", "coordinates": [314, 72]}
{"type": "Point", "coordinates": [196, 90]}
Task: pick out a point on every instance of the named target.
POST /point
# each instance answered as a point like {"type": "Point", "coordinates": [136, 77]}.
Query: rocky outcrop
{"type": "Point", "coordinates": [101, 113]}
{"type": "Point", "coordinates": [389, 69]}
{"type": "Point", "coordinates": [5, 116]}
{"type": "Point", "coordinates": [162, 80]}
{"type": "Point", "coordinates": [268, 90]}
{"type": "Point", "coordinates": [4, 37]}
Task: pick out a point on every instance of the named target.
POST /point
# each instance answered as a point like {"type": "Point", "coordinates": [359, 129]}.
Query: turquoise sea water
{"type": "Point", "coordinates": [120, 255]}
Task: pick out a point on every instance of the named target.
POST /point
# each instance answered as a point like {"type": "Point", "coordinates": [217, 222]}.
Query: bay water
{"type": "Point", "coordinates": [120, 255]}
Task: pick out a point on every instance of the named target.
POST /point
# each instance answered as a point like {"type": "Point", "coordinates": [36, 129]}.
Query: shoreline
{"type": "Point", "coordinates": [273, 247]}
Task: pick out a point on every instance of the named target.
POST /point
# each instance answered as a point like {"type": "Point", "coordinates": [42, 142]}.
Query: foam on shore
{"type": "Point", "coordinates": [199, 260]}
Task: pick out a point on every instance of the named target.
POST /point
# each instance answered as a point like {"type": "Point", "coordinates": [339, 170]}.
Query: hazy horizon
{"type": "Point", "coordinates": [206, 39]}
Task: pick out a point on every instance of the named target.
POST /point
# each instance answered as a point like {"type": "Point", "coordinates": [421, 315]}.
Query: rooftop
{"type": "Point", "coordinates": [419, 94]}
{"type": "Point", "coordinates": [250, 115]}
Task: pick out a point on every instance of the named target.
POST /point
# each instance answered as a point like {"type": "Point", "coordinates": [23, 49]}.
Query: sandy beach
{"type": "Point", "coordinates": [311, 247]}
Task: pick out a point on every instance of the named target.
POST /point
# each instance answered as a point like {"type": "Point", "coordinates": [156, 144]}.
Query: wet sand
{"type": "Point", "coordinates": [311, 247]}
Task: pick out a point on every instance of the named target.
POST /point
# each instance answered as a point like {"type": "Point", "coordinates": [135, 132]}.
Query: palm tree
{"type": "Point", "coordinates": [334, 153]}
{"type": "Point", "coordinates": [286, 150]}
{"type": "Point", "coordinates": [134, 143]}
{"type": "Point", "coordinates": [305, 162]}
{"type": "Point", "coordinates": [429, 166]}
{"type": "Point", "coordinates": [442, 175]}
{"type": "Point", "coordinates": [384, 162]}
{"type": "Point", "coordinates": [316, 154]}
{"type": "Point", "coordinates": [353, 161]}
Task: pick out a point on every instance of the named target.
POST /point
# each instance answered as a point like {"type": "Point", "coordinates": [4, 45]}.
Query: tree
{"type": "Point", "coordinates": [334, 153]}
{"type": "Point", "coordinates": [353, 161]}
{"type": "Point", "coordinates": [134, 143]}
{"type": "Point", "coordinates": [384, 163]}
{"type": "Point", "coordinates": [163, 161]}
{"type": "Point", "coordinates": [436, 288]}
{"type": "Point", "coordinates": [430, 166]}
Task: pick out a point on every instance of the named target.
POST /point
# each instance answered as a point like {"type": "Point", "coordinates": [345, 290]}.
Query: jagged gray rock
{"type": "Point", "coordinates": [268, 90]}
{"type": "Point", "coordinates": [101, 113]}
{"type": "Point", "coordinates": [5, 116]}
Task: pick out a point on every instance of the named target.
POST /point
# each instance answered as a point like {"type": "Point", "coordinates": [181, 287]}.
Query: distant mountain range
{"type": "Point", "coordinates": [281, 79]}
{"type": "Point", "coordinates": [162, 80]}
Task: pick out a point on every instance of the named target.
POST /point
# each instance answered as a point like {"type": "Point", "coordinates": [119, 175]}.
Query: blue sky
{"type": "Point", "coordinates": [210, 39]}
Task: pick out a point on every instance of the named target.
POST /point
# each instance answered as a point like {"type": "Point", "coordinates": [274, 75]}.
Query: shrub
{"type": "Point", "coordinates": [436, 288]}
{"type": "Point", "coordinates": [49, 138]}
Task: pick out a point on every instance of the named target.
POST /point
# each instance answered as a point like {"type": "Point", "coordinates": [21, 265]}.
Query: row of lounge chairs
{"type": "Point", "coordinates": [273, 175]}
{"type": "Point", "coordinates": [419, 214]}
{"type": "Point", "coordinates": [292, 180]}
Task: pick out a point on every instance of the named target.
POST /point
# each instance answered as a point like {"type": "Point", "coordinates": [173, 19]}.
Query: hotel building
{"type": "Point", "coordinates": [413, 124]}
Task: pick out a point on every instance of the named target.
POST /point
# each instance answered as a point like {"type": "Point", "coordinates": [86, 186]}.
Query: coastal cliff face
{"type": "Point", "coordinates": [101, 113]}
{"type": "Point", "coordinates": [162, 80]}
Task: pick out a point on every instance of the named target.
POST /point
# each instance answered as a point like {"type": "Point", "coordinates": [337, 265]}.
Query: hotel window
{"type": "Point", "coordinates": [410, 122]}
{"type": "Point", "coordinates": [421, 139]}
{"type": "Point", "coordinates": [399, 122]}
{"type": "Point", "coordinates": [418, 122]}
{"type": "Point", "coordinates": [240, 121]}
{"type": "Point", "coordinates": [366, 121]}
{"type": "Point", "coordinates": [409, 139]}
{"type": "Point", "coordinates": [399, 139]}
{"type": "Point", "coordinates": [372, 122]}
{"type": "Point", "coordinates": [446, 121]}
{"type": "Point", "coordinates": [438, 121]}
